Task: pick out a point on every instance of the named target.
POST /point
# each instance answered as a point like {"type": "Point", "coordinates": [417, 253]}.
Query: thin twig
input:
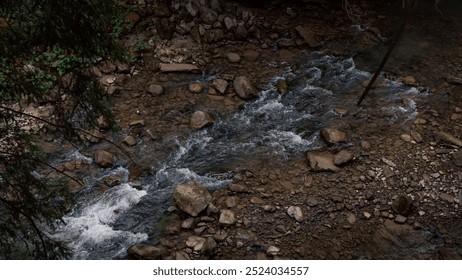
{"type": "Point", "coordinates": [387, 54]}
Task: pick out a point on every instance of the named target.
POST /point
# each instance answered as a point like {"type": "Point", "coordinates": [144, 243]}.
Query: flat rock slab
{"type": "Point", "coordinates": [321, 161]}
{"type": "Point", "coordinates": [179, 67]}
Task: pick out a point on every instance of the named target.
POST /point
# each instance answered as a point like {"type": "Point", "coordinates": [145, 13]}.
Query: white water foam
{"type": "Point", "coordinates": [91, 225]}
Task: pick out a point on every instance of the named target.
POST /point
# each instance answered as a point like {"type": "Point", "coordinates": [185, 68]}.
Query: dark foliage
{"type": "Point", "coordinates": [46, 50]}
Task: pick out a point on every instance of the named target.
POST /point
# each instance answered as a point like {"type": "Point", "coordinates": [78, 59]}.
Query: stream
{"type": "Point", "coordinates": [273, 127]}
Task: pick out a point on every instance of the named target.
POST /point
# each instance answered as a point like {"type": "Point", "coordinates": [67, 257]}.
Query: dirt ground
{"type": "Point", "coordinates": [361, 211]}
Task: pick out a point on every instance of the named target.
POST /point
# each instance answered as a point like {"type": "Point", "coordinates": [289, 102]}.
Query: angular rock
{"type": "Point", "coordinates": [402, 205]}
{"type": "Point", "coordinates": [295, 212]}
{"type": "Point", "coordinates": [178, 67]}
{"type": "Point", "coordinates": [308, 36]}
{"type": "Point", "coordinates": [209, 246]}
{"type": "Point", "coordinates": [445, 137]}
{"type": "Point", "coordinates": [227, 217]}
{"type": "Point", "coordinates": [244, 87]}
{"type": "Point", "coordinates": [417, 136]}
{"type": "Point", "coordinates": [343, 157]}
{"type": "Point", "coordinates": [351, 218]}
{"type": "Point", "coordinates": [220, 85]}
{"type": "Point", "coordinates": [104, 158]}
{"type": "Point", "coordinates": [191, 197]}
{"type": "Point", "coordinates": [129, 140]}
{"type": "Point", "coordinates": [155, 89]}
{"type": "Point", "coordinates": [188, 223]}
{"type": "Point", "coordinates": [145, 252]}
{"type": "Point", "coordinates": [321, 161]}
{"type": "Point", "coordinates": [333, 136]}
{"type": "Point", "coordinates": [406, 137]}
{"type": "Point", "coordinates": [409, 80]}
{"type": "Point", "coordinates": [195, 242]}
{"type": "Point", "coordinates": [200, 119]}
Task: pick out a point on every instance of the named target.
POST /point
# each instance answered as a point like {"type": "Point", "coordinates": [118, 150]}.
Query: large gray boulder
{"type": "Point", "coordinates": [191, 197]}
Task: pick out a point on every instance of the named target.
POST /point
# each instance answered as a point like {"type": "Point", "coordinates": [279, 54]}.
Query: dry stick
{"type": "Point", "coordinates": [387, 54]}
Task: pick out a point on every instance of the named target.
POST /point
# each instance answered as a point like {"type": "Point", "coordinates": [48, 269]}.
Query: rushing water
{"type": "Point", "coordinates": [274, 126]}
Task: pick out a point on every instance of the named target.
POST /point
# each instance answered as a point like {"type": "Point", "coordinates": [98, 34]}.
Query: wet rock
{"type": "Point", "coordinates": [220, 85]}
{"type": "Point", "coordinates": [208, 15]}
{"type": "Point", "coordinates": [282, 86]}
{"type": "Point", "coordinates": [155, 89]}
{"type": "Point", "coordinates": [129, 140]}
{"type": "Point", "coordinates": [191, 198]}
{"type": "Point", "coordinates": [195, 242]}
{"type": "Point", "coordinates": [409, 80]}
{"type": "Point", "coordinates": [104, 158]}
{"type": "Point", "coordinates": [200, 119]}
{"type": "Point", "coordinates": [295, 212]}
{"type": "Point", "coordinates": [178, 67]}
{"type": "Point", "coordinates": [333, 136]}
{"type": "Point", "coordinates": [233, 57]}
{"type": "Point", "coordinates": [308, 36]}
{"type": "Point", "coordinates": [244, 87]}
{"type": "Point", "coordinates": [321, 161]}
{"type": "Point", "coordinates": [112, 180]}
{"type": "Point", "coordinates": [196, 87]}
{"type": "Point", "coordinates": [145, 252]}
{"type": "Point", "coordinates": [447, 138]}
{"type": "Point", "coordinates": [227, 218]}
{"type": "Point", "coordinates": [343, 157]}
{"type": "Point", "coordinates": [402, 205]}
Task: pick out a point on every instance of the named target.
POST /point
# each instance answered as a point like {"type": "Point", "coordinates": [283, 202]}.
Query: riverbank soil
{"type": "Point", "coordinates": [395, 191]}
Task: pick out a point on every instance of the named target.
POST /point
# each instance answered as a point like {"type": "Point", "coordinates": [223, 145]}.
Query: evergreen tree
{"type": "Point", "coordinates": [46, 50]}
